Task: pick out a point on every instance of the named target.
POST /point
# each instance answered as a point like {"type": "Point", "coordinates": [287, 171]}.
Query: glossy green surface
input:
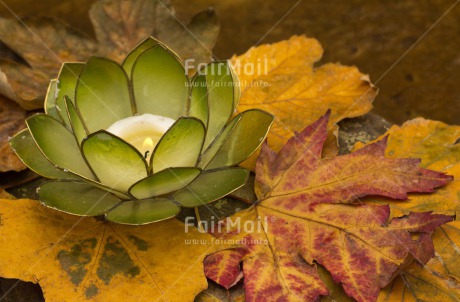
{"type": "Point", "coordinates": [76, 198]}
{"type": "Point", "coordinates": [180, 146]}
{"type": "Point", "coordinates": [58, 144]}
{"type": "Point", "coordinates": [212, 150]}
{"type": "Point", "coordinates": [75, 121]}
{"type": "Point", "coordinates": [160, 85]}
{"type": "Point", "coordinates": [247, 136]}
{"type": "Point", "coordinates": [220, 98]}
{"type": "Point", "coordinates": [97, 184]}
{"type": "Point", "coordinates": [128, 63]}
{"type": "Point", "coordinates": [116, 163]}
{"type": "Point", "coordinates": [50, 100]}
{"type": "Point", "coordinates": [211, 186]}
{"type": "Point", "coordinates": [236, 87]}
{"type": "Point", "coordinates": [136, 212]}
{"type": "Point", "coordinates": [102, 95]}
{"type": "Point", "coordinates": [66, 83]}
{"type": "Point", "coordinates": [24, 146]}
{"type": "Point", "coordinates": [199, 99]}
{"type": "Point", "coordinates": [100, 173]}
{"type": "Point", "coordinates": [67, 80]}
{"type": "Point", "coordinates": [163, 182]}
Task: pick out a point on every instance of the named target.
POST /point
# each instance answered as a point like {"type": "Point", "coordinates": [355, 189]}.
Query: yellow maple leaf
{"type": "Point", "coordinates": [83, 259]}
{"type": "Point", "coordinates": [281, 78]}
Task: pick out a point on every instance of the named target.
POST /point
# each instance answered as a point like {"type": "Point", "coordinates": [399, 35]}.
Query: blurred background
{"type": "Point", "coordinates": [410, 49]}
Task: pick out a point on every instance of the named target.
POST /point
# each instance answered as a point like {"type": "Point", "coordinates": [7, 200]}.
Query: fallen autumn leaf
{"type": "Point", "coordinates": [435, 144]}
{"type": "Point", "coordinates": [310, 205]}
{"type": "Point", "coordinates": [438, 280]}
{"type": "Point", "coordinates": [53, 42]}
{"type": "Point", "coordinates": [85, 259]}
{"type": "Point", "coordinates": [11, 121]}
{"type": "Point", "coordinates": [283, 76]}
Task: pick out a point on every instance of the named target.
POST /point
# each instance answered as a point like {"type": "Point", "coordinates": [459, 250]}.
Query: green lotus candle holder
{"type": "Point", "coordinates": [138, 141]}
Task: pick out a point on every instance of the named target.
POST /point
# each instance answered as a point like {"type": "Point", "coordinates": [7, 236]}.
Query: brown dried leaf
{"type": "Point", "coordinates": [46, 43]}
{"type": "Point", "coordinates": [11, 121]}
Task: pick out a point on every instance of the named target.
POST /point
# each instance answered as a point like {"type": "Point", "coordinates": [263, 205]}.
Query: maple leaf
{"type": "Point", "coordinates": [438, 280]}
{"type": "Point", "coordinates": [435, 143]}
{"type": "Point", "coordinates": [119, 26]}
{"type": "Point", "coordinates": [80, 259]}
{"type": "Point", "coordinates": [282, 75]}
{"type": "Point", "coordinates": [311, 215]}
{"type": "Point", "coordinates": [437, 146]}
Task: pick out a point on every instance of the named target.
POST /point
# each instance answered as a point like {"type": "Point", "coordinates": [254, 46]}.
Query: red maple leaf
{"type": "Point", "coordinates": [309, 213]}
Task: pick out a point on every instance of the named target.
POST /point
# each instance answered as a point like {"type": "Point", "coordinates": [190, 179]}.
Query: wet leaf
{"type": "Point", "coordinates": [309, 212]}
{"type": "Point", "coordinates": [281, 78]}
{"type": "Point", "coordinates": [11, 121]}
{"type": "Point", "coordinates": [92, 260]}
{"type": "Point", "coordinates": [438, 280]}
{"type": "Point", "coordinates": [119, 26]}
{"type": "Point", "coordinates": [435, 144]}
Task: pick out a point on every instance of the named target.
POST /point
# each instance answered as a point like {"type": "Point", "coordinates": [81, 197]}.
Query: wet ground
{"type": "Point", "coordinates": [410, 49]}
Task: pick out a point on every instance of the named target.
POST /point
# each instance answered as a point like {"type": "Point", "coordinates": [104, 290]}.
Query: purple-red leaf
{"type": "Point", "coordinates": [309, 212]}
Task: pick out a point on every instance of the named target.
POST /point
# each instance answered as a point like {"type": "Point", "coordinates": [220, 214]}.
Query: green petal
{"type": "Point", "coordinates": [102, 95]}
{"type": "Point", "coordinates": [50, 100]}
{"type": "Point", "coordinates": [66, 84]}
{"type": "Point", "coordinates": [160, 85]}
{"type": "Point", "coordinates": [247, 136]}
{"type": "Point", "coordinates": [136, 212]}
{"type": "Point", "coordinates": [199, 99]}
{"type": "Point", "coordinates": [180, 146]}
{"type": "Point", "coordinates": [76, 198]}
{"type": "Point", "coordinates": [236, 87]}
{"type": "Point", "coordinates": [116, 163]}
{"type": "Point", "coordinates": [220, 97]}
{"type": "Point", "coordinates": [24, 146]}
{"type": "Point", "coordinates": [58, 144]}
{"type": "Point", "coordinates": [210, 186]}
{"type": "Point", "coordinates": [128, 63]}
{"type": "Point", "coordinates": [212, 150]}
{"type": "Point", "coordinates": [164, 182]}
{"type": "Point", "coordinates": [67, 80]}
{"type": "Point", "coordinates": [96, 184]}
{"type": "Point", "coordinates": [75, 121]}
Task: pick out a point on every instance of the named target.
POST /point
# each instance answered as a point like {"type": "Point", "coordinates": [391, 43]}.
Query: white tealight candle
{"type": "Point", "coordinates": [143, 131]}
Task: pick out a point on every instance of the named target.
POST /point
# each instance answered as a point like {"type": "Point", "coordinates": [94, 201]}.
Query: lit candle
{"type": "Point", "coordinates": [143, 132]}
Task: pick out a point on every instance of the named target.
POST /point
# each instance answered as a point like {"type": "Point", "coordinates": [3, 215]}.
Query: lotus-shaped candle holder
{"type": "Point", "coordinates": [138, 141]}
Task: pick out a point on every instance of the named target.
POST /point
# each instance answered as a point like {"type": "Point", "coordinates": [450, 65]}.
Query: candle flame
{"type": "Point", "coordinates": [148, 143]}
